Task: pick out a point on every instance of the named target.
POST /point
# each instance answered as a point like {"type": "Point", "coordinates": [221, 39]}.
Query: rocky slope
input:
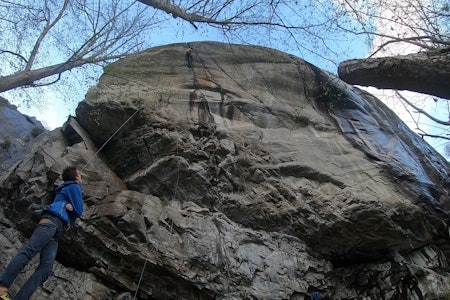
{"type": "Point", "coordinates": [252, 175]}
{"type": "Point", "coordinates": [17, 135]}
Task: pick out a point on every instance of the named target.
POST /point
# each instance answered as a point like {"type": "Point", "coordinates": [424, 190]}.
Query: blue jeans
{"type": "Point", "coordinates": [44, 240]}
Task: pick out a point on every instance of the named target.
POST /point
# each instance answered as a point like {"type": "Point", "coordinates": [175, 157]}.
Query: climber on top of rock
{"type": "Point", "coordinates": [189, 57]}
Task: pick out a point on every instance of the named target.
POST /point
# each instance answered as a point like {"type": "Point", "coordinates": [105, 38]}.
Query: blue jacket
{"type": "Point", "coordinates": [67, 192]}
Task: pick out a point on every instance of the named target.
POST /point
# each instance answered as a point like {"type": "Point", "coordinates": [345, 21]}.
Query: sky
{"type": "Point", "coordinates": [438, 108]}
{"type": "Point", "coordinates": [56, 106]}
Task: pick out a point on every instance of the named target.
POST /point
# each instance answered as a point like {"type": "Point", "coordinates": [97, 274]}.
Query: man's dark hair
{"type": "Point", "coordinates": [69, 173]}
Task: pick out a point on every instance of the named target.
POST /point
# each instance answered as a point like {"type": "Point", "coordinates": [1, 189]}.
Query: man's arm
{"type": "Point", "coordinates": [73, 194]}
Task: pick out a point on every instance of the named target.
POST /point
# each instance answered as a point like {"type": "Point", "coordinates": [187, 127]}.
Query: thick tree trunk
{"type": "Point", "coordinates": [28, 78]}
{"type": "Point", "coordinates": [427, 72]}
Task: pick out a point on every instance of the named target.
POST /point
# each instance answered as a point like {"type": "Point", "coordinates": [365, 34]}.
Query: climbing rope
{"type": "Point", "coordinates": [197, 85]}
{"type": "Point", "coordinates": [108, 140]}
{"type": "Point", "coordinates": [140, 279]}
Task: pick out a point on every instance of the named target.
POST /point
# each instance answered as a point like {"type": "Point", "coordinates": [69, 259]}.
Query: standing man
{"type": "Point", "coordinates": [59, 216]}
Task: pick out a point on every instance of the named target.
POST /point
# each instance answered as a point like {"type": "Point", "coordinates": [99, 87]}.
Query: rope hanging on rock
{"type": "Point", "coordinates": [140, 279]}
{"type": "Point", "coordinates": [109, 139]}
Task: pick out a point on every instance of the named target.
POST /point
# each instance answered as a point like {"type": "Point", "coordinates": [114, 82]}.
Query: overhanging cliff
{"type": "Point", "coordinates": [252, 175]}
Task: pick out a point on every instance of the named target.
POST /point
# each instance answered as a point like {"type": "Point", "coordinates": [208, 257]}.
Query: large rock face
{"type": "Point", "coordinates": [253, 175]}
{"type": "Point", "coordinates": [17, 135]}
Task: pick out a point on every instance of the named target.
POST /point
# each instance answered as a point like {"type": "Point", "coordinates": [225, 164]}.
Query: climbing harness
{"type": "Point", "coordinates": [109, 139]}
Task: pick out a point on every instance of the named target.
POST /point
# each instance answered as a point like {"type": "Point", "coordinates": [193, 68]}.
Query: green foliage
{"type": "Point", "coordinates": [36, 131]}
{"type": "Point", "coordinates": [6, 144]}
{"type": "Point", "coordinates": [95, 116]}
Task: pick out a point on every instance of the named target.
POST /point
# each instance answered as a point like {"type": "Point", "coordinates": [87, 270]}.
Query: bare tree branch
{"type": "Point", "coordinates": [49, 25]}
{"type": "Point", "coordinates": [434, 136]}
{"type": "Point", "coordinates": [419, 110]}
{"type": "Point", "coordinates": [106, 35]}
{"type": "Point", "coordinates": [28, 78]}
{"type": "Point", "coordinates": [177, 12]}
{"type": "Point", "coordinates": [15, 54]}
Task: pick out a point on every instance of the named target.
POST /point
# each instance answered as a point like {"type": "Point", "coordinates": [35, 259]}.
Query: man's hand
{"type": "Point", "coordinates": [69, 207]}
